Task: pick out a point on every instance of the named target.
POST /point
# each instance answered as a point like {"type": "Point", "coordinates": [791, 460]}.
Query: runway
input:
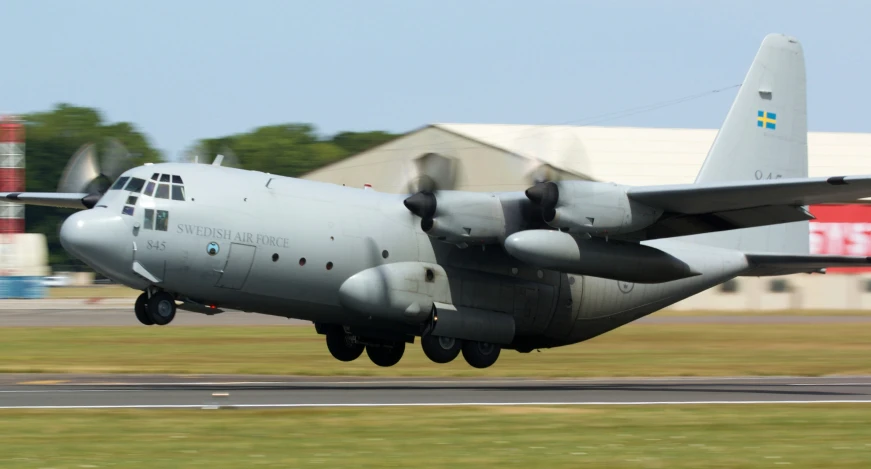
{"type": "Point", "coordinates": [118, 312]}
{"type": "Point", "coordinates": [41, 391]}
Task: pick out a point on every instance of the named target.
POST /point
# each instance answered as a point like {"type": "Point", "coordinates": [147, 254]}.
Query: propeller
{"type": "Point", "coordinates": [432, 172]}
{"type": "Point", "coordinates": [87, 173]}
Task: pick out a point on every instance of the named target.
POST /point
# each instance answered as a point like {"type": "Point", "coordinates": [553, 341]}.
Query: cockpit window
{"type": "Point", "coordinates": [149, 219]}
{"type": "Point", "coordinates": [162, 221]}
{"type": "Point", "coordinates": [135, 185]}
{"type": "Point", "coordinates": [164, 178]}
{"type": "Point", "coordinates": [178, 193]}
{"type": "Point", "coordinates": [120, 183]}
{"type": "Point", "coordinates": [154, 176]}
{"type": "Point", "coordinates": [149, 188]}
{"type": "Point", "coordinates": [176, 180]}
{"type": "Point", "coordinates": [162, 191]}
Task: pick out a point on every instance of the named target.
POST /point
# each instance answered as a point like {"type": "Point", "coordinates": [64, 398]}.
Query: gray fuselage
{"type": "Point", "coordinates": [281, 246]}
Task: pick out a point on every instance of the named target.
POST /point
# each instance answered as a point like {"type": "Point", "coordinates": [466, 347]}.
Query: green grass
{"type": "Point", "coordinates": [634, 350]}
{"type": "Point", "coordinates": [735, 436]}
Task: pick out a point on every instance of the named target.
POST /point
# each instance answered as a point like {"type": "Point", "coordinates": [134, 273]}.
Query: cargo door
{"type": "Point", "coordinates": [239, 261]}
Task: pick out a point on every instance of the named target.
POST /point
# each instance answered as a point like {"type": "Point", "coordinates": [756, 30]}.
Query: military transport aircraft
{"type": "Point", "coordinates": [468, 272]}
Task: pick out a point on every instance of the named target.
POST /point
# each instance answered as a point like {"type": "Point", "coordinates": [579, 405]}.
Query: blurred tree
{"type": "Point", "coordinates": [290, 149]}
{"type": "Point", "coordinates": [51, 140]}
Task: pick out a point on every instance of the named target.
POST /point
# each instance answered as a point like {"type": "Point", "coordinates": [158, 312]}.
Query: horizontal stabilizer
{"type": "Point", "coordinates": [763, 265]}
{"type": "Point", "coordinates": [692, 199]}
{"type": "Point", "coordinates": [51, 199]}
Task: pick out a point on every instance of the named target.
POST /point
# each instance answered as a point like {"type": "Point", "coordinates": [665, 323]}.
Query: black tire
{"type": "Point", "coordinates": [141, 310]}
{"type": "Point", "coordinates": [480, 354]}
{"type": "Point", "coordinates": [340, 348]}
{"type": "Point", "coordinates": [161, 308]}
{"type": "Point", "coordinates": [386, 355]}
{"type": "Point", "coordinates": [440, 349]}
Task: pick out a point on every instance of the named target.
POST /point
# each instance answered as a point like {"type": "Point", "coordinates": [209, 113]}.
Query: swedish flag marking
{"type": "Point", "coordinates": [766, 119]}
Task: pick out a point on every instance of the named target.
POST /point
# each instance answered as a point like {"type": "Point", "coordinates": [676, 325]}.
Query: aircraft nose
{"type": "Point", "coordinates": [93, 236]}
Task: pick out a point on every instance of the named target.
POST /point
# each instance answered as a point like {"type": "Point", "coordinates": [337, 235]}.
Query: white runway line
{"type": "Point", "coordinates": [425, 404]}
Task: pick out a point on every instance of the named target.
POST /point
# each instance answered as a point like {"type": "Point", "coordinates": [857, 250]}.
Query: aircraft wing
{"type": "Point", "coordinates": [762, 265]}
{"type": "Point", "coordinates": [703, 208]}
{"type": "Point", "coordinates": [50, 199]}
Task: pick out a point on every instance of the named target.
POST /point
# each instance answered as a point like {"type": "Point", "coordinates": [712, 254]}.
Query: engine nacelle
{"type": "Point", "coordinates": [403, 291]}
{"type": "Point", "coordinates": [596, 208]}
{"type": "Point", "coordinates": [460, 218]}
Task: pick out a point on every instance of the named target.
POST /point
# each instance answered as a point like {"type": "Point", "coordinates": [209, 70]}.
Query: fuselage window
{"type": "Point", "coordinates": [178, 193]}
{"type": "Point", "coordinates": [149, 219]}
{"type": "Point", "coordinates": [162, 191]}
{"type": "Point", "coordinates": [135, 185]}
{"type": "Point", "coordinates": [127, 210]}
{"type": "Point", "coordinates": [131, 200]}
{"type": "Point", "coordinates": [176, 180]}
{"type": "Point", "coordinates": [164, 178]}
{"type": "Point", "coordinates": [162, 221]}
{"type": "Point", "coordinates": [120, 183]}
{"type": "Point", "coordinates": [149, 188]}
{"type": "Point", "coordinates": [154, 176]}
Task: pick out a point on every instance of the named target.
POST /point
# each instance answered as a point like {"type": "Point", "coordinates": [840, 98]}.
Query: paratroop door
{"type": "Point", "coordinates": [238, 266]}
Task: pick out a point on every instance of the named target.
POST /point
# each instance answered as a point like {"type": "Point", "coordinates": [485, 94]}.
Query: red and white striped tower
{"type": "Point", "coordinates": [11, 174]}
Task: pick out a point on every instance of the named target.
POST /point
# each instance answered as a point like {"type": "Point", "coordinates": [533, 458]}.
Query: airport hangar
{"type": "Point", "coordinates": [499, 158]}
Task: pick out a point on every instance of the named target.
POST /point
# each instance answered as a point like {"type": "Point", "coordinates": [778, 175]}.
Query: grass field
{"type": "Point", "coordinates": [738, 436]}
{"type": "Point", "coordinates": [101, 291]}
{"type": "Point", "coordinates": [635, 350]}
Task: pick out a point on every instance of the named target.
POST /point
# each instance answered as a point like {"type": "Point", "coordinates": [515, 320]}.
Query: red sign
{"type": "Point", "coordinates": [841, 230]}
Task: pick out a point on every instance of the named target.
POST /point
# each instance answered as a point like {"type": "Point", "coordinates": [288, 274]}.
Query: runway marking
{"type": "Point", "coordinates": [422, 404]}
{"type": "Point", "coordinates": [45, 381]}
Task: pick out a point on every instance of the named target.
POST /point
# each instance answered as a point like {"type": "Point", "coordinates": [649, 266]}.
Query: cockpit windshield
{"type": "Point", "coordinates": [135, 185]}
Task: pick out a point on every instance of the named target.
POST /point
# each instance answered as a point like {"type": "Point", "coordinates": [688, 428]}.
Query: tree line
{"type": "Point", "coordinates": [52, 137]}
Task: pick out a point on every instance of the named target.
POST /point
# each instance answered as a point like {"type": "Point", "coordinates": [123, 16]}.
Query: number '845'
{"type": "Point", "coordinates": [157, 245]}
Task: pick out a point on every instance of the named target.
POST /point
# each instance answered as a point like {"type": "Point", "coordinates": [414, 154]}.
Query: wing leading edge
{"type": "Point", "coordinates": [51, 199]}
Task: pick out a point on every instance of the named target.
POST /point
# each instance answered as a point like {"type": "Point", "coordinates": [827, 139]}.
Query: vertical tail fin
{"type": "Point", "coordinates": [764, 136]}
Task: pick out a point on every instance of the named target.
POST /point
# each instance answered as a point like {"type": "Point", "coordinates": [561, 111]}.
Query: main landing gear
{"type": "Point", "coordinates": [445, 349]}
{"type": "Point", "coordinates": [158, 310]}
{"type": "Point", "coordinates": [345, 347]}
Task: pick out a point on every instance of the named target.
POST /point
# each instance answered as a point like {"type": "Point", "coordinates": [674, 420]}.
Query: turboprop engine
{"type": "Point", "coordinates": [460, 218]}
{"type": "Point", "coordinates": [628, 262]}
{"type": "Point", "coordinates": [596, 208]}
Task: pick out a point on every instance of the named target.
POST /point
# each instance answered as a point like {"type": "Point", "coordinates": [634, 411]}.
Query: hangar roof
{"type": "Point", "coordinates": [643, 156]}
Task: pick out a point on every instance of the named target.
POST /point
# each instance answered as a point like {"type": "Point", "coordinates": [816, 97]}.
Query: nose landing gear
{"type": "Point", "coordinates": [159, 309]}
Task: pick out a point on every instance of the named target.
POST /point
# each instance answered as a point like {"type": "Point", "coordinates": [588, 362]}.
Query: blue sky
{"type": "Point", "coordinates": [188, 69]}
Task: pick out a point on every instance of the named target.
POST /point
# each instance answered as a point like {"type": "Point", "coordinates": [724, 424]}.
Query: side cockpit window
{"type": "Point", "coordinates": [160, 222]}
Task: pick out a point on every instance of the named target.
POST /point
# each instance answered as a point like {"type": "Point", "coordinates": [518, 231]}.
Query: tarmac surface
{"type": "Point", "coordinates": [43, 391]}
{"type": "Point", "coordinates": [119, 312]}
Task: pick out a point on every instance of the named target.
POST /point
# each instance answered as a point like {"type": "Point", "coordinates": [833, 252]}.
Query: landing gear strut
{"type": "Point", "coordinates": [341, 347]}
{"type": "Point", "coordinates": [141, 310]}
{"type": "Point", "coordinates": [480, 354]}
{"type": "Point", "coordinates": [440, 349]}
{"type": "Point", "coordinates": [386, 354]}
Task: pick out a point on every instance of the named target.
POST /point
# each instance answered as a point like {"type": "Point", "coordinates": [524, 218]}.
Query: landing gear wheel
{"type": "Point", "coordinates": [386, 355]}
{"type": "Point", "coordinates": [340, 347]}
{"type": "Point", "coordinates": [161, 308]}
{"type": "Point", "coordinates": [141, 310]}
{"type": "Point", "coordinates": [440, 349]}
{"type": "Point", "coordinates": [480, 354]}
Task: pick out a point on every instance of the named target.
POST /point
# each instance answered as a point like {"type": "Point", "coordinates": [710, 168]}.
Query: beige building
{"type": "Point", "coordinates": [500, 158]}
